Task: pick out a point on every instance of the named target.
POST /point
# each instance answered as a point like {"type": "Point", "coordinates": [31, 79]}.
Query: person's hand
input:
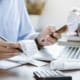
{"type": "Point", "coordinates": [7, 73]}
{"type": "Point", "coordinates": [8, 50]}
{"type": "Point", "coordinates": [49, 36]}
{"type": "Point", "coordinates": [45, 37]}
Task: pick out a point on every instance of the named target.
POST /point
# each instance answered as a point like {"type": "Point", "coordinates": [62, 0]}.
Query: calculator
{"type": "Point", "coordinates": [50, 75]}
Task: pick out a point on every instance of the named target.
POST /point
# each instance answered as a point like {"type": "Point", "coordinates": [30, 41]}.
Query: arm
{"type": "Point", "coordinates": [26, 30]}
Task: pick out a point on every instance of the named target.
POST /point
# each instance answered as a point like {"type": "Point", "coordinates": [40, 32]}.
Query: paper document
{"type": "Point", "coordinates": [65, 64]}
{"type": "Point", "coordinates": [22, 59]}
{"type": "Point", "coordinates": [27, 56]}
{"type": "Point", "coordinates": [65, 42]}
{"type": "Point", "coordinates": [7, 64]}
{"type": "Point", "coordinates": [44, 55]}
{"type": "Point", "coordinates": [29, 47]}
{"type": "Point", "coordinates": [54, 51]}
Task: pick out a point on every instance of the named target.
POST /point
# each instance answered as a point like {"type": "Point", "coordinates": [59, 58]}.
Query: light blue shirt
{"type": "Point", "coordinates": [14, 20]}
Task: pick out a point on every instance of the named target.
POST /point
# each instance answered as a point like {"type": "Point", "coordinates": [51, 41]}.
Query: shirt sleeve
{"type": "Point", "coordinates": [26, 29]}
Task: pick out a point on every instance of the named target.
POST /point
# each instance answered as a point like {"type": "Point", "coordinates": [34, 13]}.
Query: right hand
{"type": "Point", "coordinates": [8, 50]}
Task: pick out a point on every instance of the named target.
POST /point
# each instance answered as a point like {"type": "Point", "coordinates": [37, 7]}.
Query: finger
{"type": "Point", "coordinates": [14, 45]}
{"type": "Point", "coordinates": [6, 73]}
{"type": "Point", "coordinates": [7, 44]}
{"type": "Point", "coordinates": [46, 43]}
{"type": "Point", "coordinates": [63, 29]}
{"type": "Point", "coordinates": [3, 43]}
{"type": "Point", "coordinates": [7, 55]}
{"type": "Point", "coordinates": [44, 39]}
{"type": "Point", "coordinates": [48, 30]}
{"type": "Point", "coordinates": [51, 29]}
{"type": "Point", "coordinates": [55, 36]}
{"type": "Point", "coordinates": [8, 50]}
{"type": "Point", "coordinates": [51, 40]}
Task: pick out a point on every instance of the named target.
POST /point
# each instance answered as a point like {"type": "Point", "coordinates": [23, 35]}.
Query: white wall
{"type": "Point", "coordinates": [56, 12]}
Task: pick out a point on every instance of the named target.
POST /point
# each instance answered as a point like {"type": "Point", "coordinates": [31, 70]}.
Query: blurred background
{"type": "Point", "coordinates": [50, 12]}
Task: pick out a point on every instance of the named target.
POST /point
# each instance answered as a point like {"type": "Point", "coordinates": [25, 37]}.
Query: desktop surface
{"type": "Point", "coordinates": [25, 72]}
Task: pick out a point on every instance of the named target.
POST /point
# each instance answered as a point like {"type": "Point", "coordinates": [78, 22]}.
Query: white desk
{"type": "Point", "coordinates": [26, 73]}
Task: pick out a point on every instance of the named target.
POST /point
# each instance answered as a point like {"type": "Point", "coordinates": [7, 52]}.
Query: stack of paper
{"type": "Point", "coordinates": [70, 40]}
{"type": "Point", "coordinates": [65, 64]}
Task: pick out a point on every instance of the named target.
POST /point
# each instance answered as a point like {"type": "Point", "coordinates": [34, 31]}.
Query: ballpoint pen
{"type": "Point", "coordinates": [3, 39]}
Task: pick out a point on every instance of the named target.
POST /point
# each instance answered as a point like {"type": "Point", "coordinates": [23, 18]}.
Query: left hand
{"type": "Point", "coordinates": [45, 37]}
{"type": "Point", "coordinates": [8, 50]}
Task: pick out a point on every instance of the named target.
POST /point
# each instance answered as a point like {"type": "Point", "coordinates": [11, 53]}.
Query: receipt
{"type": "Point", "coordinates": [29, 47]}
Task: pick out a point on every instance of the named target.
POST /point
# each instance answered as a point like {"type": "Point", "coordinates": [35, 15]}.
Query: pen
{"type": "Point", "coordinates": [20, 50]}
{"type": "Point", "coordinates": [61, 30]}
{"type": "Point", "coordinates": [2, 38]}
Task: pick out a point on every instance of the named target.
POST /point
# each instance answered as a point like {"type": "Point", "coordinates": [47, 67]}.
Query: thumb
{"type": "Point", "coordinates": [48, 30]}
